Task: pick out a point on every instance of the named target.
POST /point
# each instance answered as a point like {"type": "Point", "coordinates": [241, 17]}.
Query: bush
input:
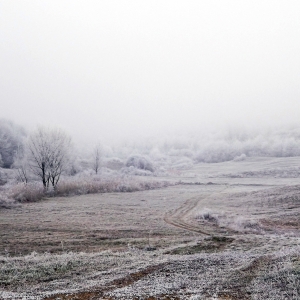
{"type": "Point", "coordinates": [5, 202]}
{"type": "Point", "coordinates": [98, 185]}
{"type": "Point", "coordinates": [243, 224]}
{"type": "Point", "coordinates": [207, 215]}
{"type": "Point", "coordinates": [114, 163]}
{"type": "Point", "coordinates": [140, 162]}
{"type": "Point", "coordinates": [30, 192]}
{"type": "Point", "coordinates": [136, 172]}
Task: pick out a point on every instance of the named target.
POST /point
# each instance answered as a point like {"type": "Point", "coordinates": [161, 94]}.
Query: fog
{"type": "Point", "coordinates": [111, 70]}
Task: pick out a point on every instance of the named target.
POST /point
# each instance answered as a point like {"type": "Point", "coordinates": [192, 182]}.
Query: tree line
{"type": "Point", "coordinates": [45, 153]}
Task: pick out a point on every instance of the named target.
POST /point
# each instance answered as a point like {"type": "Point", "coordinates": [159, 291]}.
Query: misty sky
{"type": "Point", "coordinates": [122, 68]}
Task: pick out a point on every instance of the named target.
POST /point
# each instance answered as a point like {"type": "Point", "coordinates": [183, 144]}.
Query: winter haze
{"type": "Point", "coordinates": [167, 160]}
{"type": "Point", "coordinates": [121, 69]}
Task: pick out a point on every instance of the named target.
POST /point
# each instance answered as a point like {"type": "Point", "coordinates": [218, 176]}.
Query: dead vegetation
{"type": "Point", "coordinates": [207, 245]}
{"type": "Point", "coordinates": [34, 191]}
{"type": "Point", "coordinates": [98, 246]}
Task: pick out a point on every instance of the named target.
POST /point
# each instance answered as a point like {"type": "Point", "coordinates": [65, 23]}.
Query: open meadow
{"type": "Point", "coordinates": [226, 230]}
{"type": "Point", "coordinates": [149, 150]}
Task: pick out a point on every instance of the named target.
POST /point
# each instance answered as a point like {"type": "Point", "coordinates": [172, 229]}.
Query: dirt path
{"type": "Point", "coordinates": [239, 280]}
{"type": "Point", "coordinates": [99, 292]}
{"type": "Point", "coordinates": [179, 217]}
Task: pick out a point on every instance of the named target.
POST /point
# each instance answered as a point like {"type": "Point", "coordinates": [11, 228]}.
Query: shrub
{"type": "Point", "coordinates": [98, 185]}
{"type": "Point", "coordinates": [137, 172]}
{"type": "Point", "coordinates": [30, 192]}
{"type": "Point", "coordinates": [34, 191]}
{"type": "Point", "coordinates": [243, 224]}
{"type": "Point", "coordinates": [140, 162]}
{"type": "Point", "coordinates": [207, 215]}
{"type": "Point", "coordinates": [5, 202]}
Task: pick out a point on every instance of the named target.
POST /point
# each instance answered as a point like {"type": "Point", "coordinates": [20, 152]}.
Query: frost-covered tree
{"type": "Point", "coordinates": [21, 165]}
{"type": "Point", "coordinates": [97, 158]}
{"type": "Point", "coordinates": [11, 138]}
{"type": "Point", "coordinates": [48, 153]}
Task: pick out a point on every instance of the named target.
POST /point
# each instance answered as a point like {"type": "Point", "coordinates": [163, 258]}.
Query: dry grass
{"type": "Point", "coordinates": [96, 245]}
{"type": "Point", "coordinates": [129, 275]}
{"type": "Point", "coordinates": [92, 222]}
{"type": "Point", "coordinates": [99, 185]}
{"type": "Point", "coordinates": [34, 191]}
{"type": "Point", "coordinates": [30, 192]}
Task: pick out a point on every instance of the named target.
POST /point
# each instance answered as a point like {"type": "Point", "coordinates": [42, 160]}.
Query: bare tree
{"type": "Point", "coordinates": [48, 154]}
{"type": "Point", "coordinates": [97, 158]}
{"type": "Point", "coordinates": [22, 174]}
{"type": "Point", "coordinates": [21, 170]}
{"type": "Point", "coordinates": [20, 164]}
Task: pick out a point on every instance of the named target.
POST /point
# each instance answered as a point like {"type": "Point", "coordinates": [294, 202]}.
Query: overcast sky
{"type": "Point", "coordinates": [121, 68]}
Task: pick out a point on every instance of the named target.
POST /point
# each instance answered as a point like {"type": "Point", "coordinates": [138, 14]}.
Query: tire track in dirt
{"type": "Point", "coordinates": [98, 293]}
{"type": "Point", "coordinates": [237, 283]}
{"type": "Point", "coordinates": [178, 218]}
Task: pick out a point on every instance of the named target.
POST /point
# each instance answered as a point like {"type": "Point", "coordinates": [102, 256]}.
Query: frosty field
{"type": "Point", "coordinates": [149, 150]}
{"type": "Point", "coordinates": [222, 231]}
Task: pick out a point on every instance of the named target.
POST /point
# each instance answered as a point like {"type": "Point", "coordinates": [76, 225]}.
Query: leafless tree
{"type": "Point", "coordinates": [20, 164]}
{"type": "Point", "coordinates": [22, 174]}
{"type": "Point", "coordinates": [97, 158]}
{"type": "Point", "coordinates": [48, 154]}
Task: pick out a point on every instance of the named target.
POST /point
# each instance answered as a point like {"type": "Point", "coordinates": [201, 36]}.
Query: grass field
{"type": "Point", "coordinates": [224, 231]}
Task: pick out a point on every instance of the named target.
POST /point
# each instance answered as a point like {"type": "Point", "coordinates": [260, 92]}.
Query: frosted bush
{"type": "Point", "coordinates": [207, 215]}
{"type": "Point", "coordinates": [222, 145]}
{"type": "Point", "coordinates": [114, 163]}
{"type": "Point", "coordinates": [140, 162]}
{"type": "Point", "coordinates": [243, 224]}
{"type": "Point", "coordinates": [5, 202]}
{"type": "Point", "coordinates": [69, 187]}
{"type": "Point", "coordinates": [135, 171]}
{"type": "Point", "coordinates": [30, 192]}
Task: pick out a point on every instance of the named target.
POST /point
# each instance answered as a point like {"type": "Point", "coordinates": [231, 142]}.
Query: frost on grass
{"type": "Point", "coordinates": [280, 278]}
{"type": "Point", "coordinates": [237, 274]}
{"type": "Point", "coordinates": [240, 223]}
{"type": "Point", "coordinates": [38, 274]}
{"type": "Point", "coordinates": [34, 191]}
{"type": "Point", "coordinates": [282, 172]}
{"type": "Point", "coordinates": [200, 275]}
{"type": "Point", "coordinates": [233, 274]}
